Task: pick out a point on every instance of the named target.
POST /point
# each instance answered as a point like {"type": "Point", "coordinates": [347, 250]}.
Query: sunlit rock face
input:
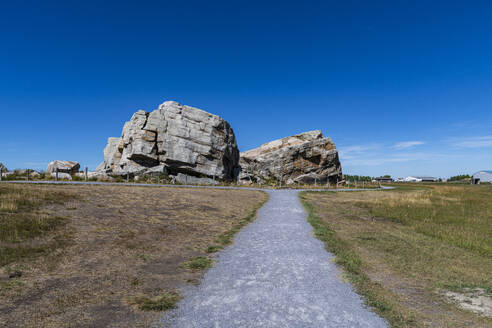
{"type": "Point", "coordinates": [174, 139]}
{"type": "Point", "coordinates": [306, 158]}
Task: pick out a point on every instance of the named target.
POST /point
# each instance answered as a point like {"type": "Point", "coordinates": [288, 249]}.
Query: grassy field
{"type": "Point", "coordinates": [21, 221]}
{"type": "Point", "coordinates": [421, 254]}
{"type": "Point", "coordinates": [108, 256]}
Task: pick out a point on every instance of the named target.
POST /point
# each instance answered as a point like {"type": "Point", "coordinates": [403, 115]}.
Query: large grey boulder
{"type": "Point", "coordinates": [176, 138]}
{"type": "Point", "coordinates": [305, 158]}
{"type": "Point", "coordinates": [69, 167]}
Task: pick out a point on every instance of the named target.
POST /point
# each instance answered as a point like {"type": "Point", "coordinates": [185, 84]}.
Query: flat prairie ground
{"type": "Point", "coordinates": [108, 256]}
{"type": "Point", "coordinates": [421, 254]}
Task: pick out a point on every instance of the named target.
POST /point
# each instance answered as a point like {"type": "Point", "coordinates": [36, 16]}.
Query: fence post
{"type": "Point", "coordinates": [1, 173]}
{"type": "Point", "coordinates": [27, 174]}
{"type": "Point", "coordinates": [86, 173]}
{"type": "Point", "coordinates": [337, 184]}
{"type": "Point", "coordinates": [159, 179]}
{"type": "Point", "coordinates": [56, 174]}
{"type": "Point", "coordinates": [127, 178]}
{"type": "Point", "coordinates": [315, 182]}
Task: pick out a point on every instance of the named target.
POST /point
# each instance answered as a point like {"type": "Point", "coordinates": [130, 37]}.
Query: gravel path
{"type": "Point", "coordinates": [276, 274]}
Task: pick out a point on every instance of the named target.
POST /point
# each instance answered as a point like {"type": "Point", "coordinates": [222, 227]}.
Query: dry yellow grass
{"type": "Point", "coordinates": [457, 214]}
{"type": "Point", "coordinates": [124, 244]}
{"type": "Point", "coordinates": [412, 246]}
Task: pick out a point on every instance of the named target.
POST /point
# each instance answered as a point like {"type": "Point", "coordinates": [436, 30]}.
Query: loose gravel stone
{"type": "Point", "coordinates": [276, 274]}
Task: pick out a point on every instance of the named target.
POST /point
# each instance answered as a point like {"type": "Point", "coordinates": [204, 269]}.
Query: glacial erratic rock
{"type": "Point", "coordinates": [34, 174]}
{"type": "Point", "coordinates": [63, 176]}
{"type": "Point", "coordinates": [69, 167]}
{"type": "Point", "coordinates": [173, 139]}
{"type": "Point", "coordinates": [304, 158]}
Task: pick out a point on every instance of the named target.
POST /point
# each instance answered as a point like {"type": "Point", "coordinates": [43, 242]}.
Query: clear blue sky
{"type": "Point", "coordinates": [402, 87]}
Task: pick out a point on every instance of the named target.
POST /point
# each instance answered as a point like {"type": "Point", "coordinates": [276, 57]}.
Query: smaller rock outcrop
{"type": "Point", "coordinates": [306, 158]}
{"type": "Point", "coordinates": [68, 167]}
{"type": "Point", "coordinates": [34, 174]}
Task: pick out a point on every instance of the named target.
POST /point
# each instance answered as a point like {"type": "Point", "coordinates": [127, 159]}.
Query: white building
{"type": "Point", "coordinates": [482, 176]}
{"type": "Point", "coordinates": [420, 179]}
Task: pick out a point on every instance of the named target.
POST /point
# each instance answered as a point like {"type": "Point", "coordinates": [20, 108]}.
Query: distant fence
{"type": "Point", "coordinates": [162, 178]}
{"type": "Point", "coordinates": [20, 174]}
{"type": "Point", "coordinates": [30, 174]}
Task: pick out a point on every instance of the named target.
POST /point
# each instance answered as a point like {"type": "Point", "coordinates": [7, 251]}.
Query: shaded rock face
{"type": "Point", "coordinates": [174, 139]}
{"type": "Point", "coordinates": [94, 175]}
{"type": "Point", "coordinates": [68, 167]}
{"type": "Point", "coordinates": [3, 168]}
{"type": "Point", "coordinates": [305, 158]}
{"type": "Point", "coordinates": [185, 179]}
{"type": "Point", "coordinates": [109, 154]}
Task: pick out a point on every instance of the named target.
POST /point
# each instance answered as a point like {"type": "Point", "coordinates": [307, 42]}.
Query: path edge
{"type": "Point", "coordinates": [350, 263]}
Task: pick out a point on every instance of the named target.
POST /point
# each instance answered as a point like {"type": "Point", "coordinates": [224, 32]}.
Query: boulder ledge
{"type": "Point", "coordinates": [305, 158]}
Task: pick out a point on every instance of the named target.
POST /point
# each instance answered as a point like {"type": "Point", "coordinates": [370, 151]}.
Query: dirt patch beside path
{"type": "Point", "coordinates": [121, 244]}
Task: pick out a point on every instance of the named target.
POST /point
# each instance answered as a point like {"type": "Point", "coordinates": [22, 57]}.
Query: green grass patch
{"type": "Point", "coordinates": [199, 263]}
{"type": "Point", "coordinates": [22, 251]}
{"type": "Point", "coordinates": [459, 215]}
{"type": "Point", "coordinates": [163, 302]}
{"type": "Point", "coordinates": [21, 222]}
{"type": "Point", "coordinates": [349, 260]}
{"type": "Point", "coordinates": [22, 226]}
{"type": "Point", "coordinates": [213, 249]}
{"type": "Point", "coordinates": [9, 285]}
